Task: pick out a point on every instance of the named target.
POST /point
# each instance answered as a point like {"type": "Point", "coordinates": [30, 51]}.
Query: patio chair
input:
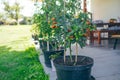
{"type": "Point", "coordinates": [116, 37]}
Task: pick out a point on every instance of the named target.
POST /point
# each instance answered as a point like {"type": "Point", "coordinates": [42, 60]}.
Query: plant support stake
{"type": "Point", "coordinates": [47, 45]}
{"type": "Point", "coordinates": [76, 53]}
{"type": "Point", "coordinates": [65, 52]}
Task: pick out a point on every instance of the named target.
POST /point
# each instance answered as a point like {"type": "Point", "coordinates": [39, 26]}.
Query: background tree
{"type": "Point", "coordinates": [13, 11]}
{"type": "Point", "coordinates": [1, 19]}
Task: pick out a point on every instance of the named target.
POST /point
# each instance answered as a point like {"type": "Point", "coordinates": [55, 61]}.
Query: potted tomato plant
{"type": "Point", "coordinates": [44, 20]}
{"type": "Point", "coordinates": [36, 31]}
{"type": "Point", "coordinates": [74, 24]}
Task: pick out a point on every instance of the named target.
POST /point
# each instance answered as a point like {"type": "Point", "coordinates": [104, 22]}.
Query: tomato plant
{"type": "Point", "coordinates": [65, 22]}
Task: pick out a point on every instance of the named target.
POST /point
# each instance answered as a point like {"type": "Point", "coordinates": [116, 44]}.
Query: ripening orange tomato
{"type": "Point", "coordinates": [53, 19]}
{"type": "Point", "coordinates": [88, 22]}
{"type": "Point", "coordinates": [54, 22]}
{"type": "Point", "coordinates": [54, 26]}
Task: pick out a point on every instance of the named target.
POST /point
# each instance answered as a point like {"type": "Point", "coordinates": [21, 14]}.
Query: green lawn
{"type": "Point", "coordinates": [18, 57]}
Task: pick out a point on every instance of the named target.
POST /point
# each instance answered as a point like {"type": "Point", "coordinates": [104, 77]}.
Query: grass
{"type": "Point", "coordinates": [18, 57]}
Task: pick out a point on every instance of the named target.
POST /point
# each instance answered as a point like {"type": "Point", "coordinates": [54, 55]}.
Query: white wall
{"type": "Point", "coordinates": [105, 9]}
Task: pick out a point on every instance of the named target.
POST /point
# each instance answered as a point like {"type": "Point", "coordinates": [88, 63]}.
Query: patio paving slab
{"type": "Point", "coordinates": [106, 63]}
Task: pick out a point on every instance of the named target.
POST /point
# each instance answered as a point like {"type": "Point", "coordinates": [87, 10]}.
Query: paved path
{"type": "Point", "coordinates": [106, 63]}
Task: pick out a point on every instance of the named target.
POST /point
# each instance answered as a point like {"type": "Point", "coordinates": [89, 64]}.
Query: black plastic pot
{"type": "Point", "coordinates": [79, 72]}
{"type": "Point", "coordinates": [40, 42]}
{"type": "Point", "coordinates": [47, 55]}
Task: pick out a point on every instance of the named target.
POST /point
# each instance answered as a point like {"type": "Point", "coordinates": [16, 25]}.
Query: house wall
{"type": "Point", "coordinates": [105, 9]}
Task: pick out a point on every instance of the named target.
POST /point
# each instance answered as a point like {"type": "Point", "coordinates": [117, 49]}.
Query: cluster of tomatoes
{"type": "Point", "coordinates": [72, 36]}
{"type": "Point", "coordinates": [86, 34]}
{"type": "Point", "coordinates": [54, 23]}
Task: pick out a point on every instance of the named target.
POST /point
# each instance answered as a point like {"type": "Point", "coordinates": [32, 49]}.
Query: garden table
{"type": "Point", "coordinates": [113, 28]}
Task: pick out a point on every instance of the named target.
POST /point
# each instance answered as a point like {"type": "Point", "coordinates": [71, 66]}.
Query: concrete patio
{"type": "Point", "coordinates": [106, 61]}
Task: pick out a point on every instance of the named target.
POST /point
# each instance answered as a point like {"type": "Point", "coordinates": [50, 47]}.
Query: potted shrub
{"type": "Point", "coordinates": [50, 45]}
{"type": "Point", "coordinates": [36, 31]}
{"type": "Point", "coordinates": [74, 24]}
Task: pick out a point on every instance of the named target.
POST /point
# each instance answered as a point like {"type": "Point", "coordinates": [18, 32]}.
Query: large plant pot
{"type": "Point", "coordinates": [47, 55]}
{"type": "Point", "coordinates": [76, 72]}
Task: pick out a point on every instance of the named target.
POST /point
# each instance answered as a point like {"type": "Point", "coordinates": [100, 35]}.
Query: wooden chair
{"type": "Point", "coordinates": [116, 37]}
{"type": "Point", "coordinates": [97, 37]}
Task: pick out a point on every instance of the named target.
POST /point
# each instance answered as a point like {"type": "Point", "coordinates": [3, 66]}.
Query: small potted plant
{"type": "Point", "coordinates": [35, 32]}
{"type": "Point", "coordinates": [113, 20]}
{"type": "Point", "coordinates": [52, 57]}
